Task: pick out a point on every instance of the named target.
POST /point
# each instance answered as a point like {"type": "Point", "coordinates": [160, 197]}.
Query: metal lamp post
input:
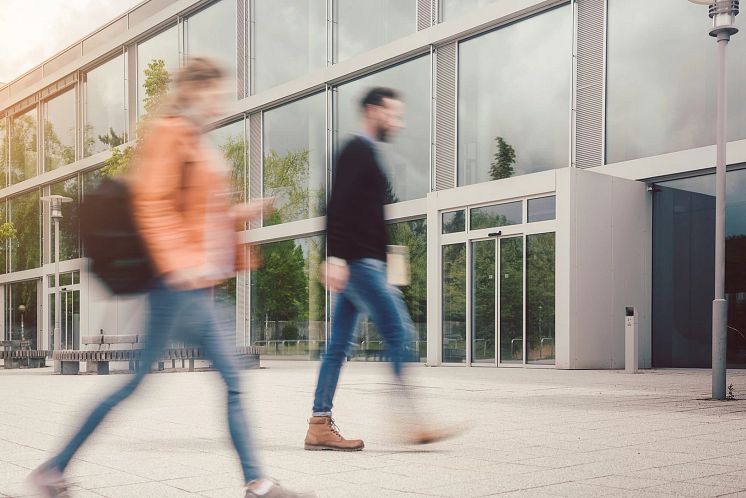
{"type": "Point", "coordinates": [22, 311]}
{"type": "Point", "coordinates": [723, 14]}
{"type": "Point", "coordinates": [55, 211]}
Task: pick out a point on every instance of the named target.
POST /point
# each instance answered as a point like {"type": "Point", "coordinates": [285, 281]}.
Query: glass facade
{"type": "Point", "coordinates": [70, 222]}
{"type": "Point", "coordinates": [450, 9]}
{"type": "Point", "coordinates": [407, 158]}
{"type": "Point", "coordinates": [21, 305]}
{"type": "Point", "coordinates": [302, 28]}
{"type": "Point", "coordinates": [366, 24]}
{"type": "Point", "coordinates": [288, 303]}
{"type": "Point", "coordinates": [163, 49]}
{"type": "Point", "coordinates": [211, 32]}
{"type": "Point", "coordinates": [663, 100]}
{"type": "Point", "coordinates": [105, 107]}
{"type": "Point", "coordinates": [454, 303]}
{"type": "Point", "coordinates": [231, 141]}
{"type": "Point", "coordinates": [684, 266]}
{"type": "Point", "coordinates": [514, 115]}
{"type": "Point", "coordinates": [59, 131]}
{"type": "Point", "coordinates": [23, 146]}
{"type": "Point", "coordinates": [294, 169]}
{"type": "Point", "coordinates": [4, 152]}
{"type": "Point", "coordinates": [25, 213]}
{"type": "Point", "coordinates": [497, 215]}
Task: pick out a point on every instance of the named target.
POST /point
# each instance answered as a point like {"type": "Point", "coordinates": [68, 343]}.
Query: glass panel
{"type": "Point", "coordinates": [302, 28]}
{"type": "Point", "coordinates": [225, 299]}
{"type": "Point", "coordinates": [483, 301]}
{"type": "Point", "coordinates": [366, 24]}
{"type": "Point", "coordinates": [683, 271]}
{"type": "Point", "coordinates": [163, 47]}
{"type": "Point", "coordinates": [105, 117]}
{"type": "Point", "coordinates": [288, 304]}
{"type": "Point", "coordinates": [663, 100]}
{"type": "Point", "coordinates": [59, 131]}
{"type": "Point", "coordinates": [23, 146]}
{"type": "Point", "coordinates": [540, 298]}
{"type": "Point", "coordinates": [91, 180]}
{"type": "Point", "coordinates": [66, 278]}
{"type": "Point", "coordinates": [70, 222]}
{"type": "Point", "coordinates": [406, 159]}
{"type": "Point", "coordinates": [498, 215]}
{"type": "Point", "coordinates": [294, 159]}
{"type": "Point", "coordinates": [455, 8]}
{"type": "Point", "coordinates": [231, 141]}
{"type": "Point", "coordinates": [25, 212]}
{"type": "Point", "coordinates": [504, 107]}
{"type": "Point", "coordinates": [21, 303]}
{"type": "Point", "coordinates": [4, 242]}
{"type": "Point", "coordinates": [4, 153]}
{"type": "Point", "coordinates": [70, 319]}
{"type": "Point", "coordinates": [542, 209]}
{"type": "Point", "coordinates": [454, 303]}
{"type": "Point", "coordinates": [412, 234]}
{"type": "Point", "coordinates": [511, 300]}
{"type": "Point", "coordinates": [454, 222]}
{"type": "Point", "coordinates": [212, 33]}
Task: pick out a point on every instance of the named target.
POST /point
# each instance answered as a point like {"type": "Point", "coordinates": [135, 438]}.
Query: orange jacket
{"type": "Point", "coordinates": [171, 184]}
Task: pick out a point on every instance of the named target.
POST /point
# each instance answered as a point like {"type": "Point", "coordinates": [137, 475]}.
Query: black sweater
{"type": "Point", "coordinates": [354, 220]}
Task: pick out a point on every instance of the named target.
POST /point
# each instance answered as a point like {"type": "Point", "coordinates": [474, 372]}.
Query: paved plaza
{"type": "Point", "coordinates": [537, 432]}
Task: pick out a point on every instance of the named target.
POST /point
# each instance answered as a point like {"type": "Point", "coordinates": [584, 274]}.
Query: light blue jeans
{"type": "Point", "coordinates": [367, 292]}
{"type": "Point", "coordinates": [190, 316]}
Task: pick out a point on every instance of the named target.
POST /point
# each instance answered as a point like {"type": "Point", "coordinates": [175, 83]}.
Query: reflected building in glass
{"type": "Point", "coordinates": [553, 171]}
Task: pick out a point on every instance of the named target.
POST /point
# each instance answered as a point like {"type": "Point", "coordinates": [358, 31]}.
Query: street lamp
{"type": "Point", "coordinates": [723, 14]}
{"type": "Point", "coordinates": [55, 210]}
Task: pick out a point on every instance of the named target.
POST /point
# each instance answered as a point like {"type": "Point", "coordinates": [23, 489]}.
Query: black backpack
{"type": "Point", "coordinates": [111, 239]}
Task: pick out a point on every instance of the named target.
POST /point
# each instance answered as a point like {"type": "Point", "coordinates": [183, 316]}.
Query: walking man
{"type": "Point", "coordinates": [355, 268]}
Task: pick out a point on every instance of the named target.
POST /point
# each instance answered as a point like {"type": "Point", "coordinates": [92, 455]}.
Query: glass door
{"type": "Point", "coordinates": [69, 319]}
{"type": "Point", "coordinates": [510, 302]}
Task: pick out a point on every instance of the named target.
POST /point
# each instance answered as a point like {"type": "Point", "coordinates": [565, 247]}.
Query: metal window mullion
{"type": "Point", "coordinates": [469, 301]}
{"type": "Point", "coordinates": [523, 307]}
{"type": "Point", "coordinates": [497, 301]}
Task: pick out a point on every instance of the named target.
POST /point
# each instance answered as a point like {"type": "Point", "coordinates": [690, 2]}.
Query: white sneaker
{"type": "Point", "coordinates": [49, 482]}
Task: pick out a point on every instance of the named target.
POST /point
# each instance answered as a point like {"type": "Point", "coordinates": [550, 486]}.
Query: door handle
{"type": "Point", "coordinates": [494, 234]}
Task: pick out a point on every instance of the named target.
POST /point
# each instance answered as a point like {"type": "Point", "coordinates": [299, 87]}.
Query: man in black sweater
{"type": "Point", "coordinates": [355, 268]}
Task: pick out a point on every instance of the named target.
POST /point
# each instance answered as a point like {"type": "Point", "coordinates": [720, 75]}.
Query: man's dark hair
{"type": "Point", "coordinates": [376, 95]}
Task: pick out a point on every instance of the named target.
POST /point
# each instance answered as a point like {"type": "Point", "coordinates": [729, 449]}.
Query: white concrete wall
{"type": "Point", "coordinates": [115, 315]}
{"type": "Point", "coordinates": [608, 240]}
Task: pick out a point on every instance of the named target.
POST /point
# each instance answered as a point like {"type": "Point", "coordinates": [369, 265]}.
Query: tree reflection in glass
{"type": "Point", "coordinates": [454, 303]}
{"type": "Point", "coordinates": [59, 131]}
{"type": "Point", "coordinates": [25, 213]}
{"type": "Point", "coordinates": [540, 298]}
{"type": "Point", "coordinates": [483, 307]}
{"type": "Point", "coordinates": [23, 152]}
{"type": "Point", "coordinates": [511, 300]}
{"type": "Point", "coordinates": [70, 222]}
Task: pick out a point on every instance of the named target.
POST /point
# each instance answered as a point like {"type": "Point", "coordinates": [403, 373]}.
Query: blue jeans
{"type": "Point", "coordinates": [190, 316]}
{"type": "Point", "coordinates": [367, 292]}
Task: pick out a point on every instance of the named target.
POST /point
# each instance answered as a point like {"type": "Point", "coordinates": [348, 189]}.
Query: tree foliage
{"type": "Point", "coordinates": [504, 159]}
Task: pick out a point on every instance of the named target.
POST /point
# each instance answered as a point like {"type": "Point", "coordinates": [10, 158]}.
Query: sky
{"type": "Point", "coordinates": [33, 30]}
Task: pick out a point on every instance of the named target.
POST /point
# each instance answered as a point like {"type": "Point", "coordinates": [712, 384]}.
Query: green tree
{"type": "Point", "coordinates": [22, 148]}
{"type": "Point", "coordinates": [157, 79]}
{"type": "Point", "coordinates": [504, 159]}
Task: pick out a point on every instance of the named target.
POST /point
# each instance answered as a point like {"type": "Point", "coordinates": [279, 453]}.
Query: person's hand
{"type": "Point", "coordinates": [334, 275]}
{"type": "Point", "coordinates": [253, 209]}
{"type": "Point", "coordinates": [185, 279]}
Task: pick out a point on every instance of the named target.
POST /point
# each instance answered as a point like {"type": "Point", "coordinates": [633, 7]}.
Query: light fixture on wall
{"type": "Point", "coordinates": [723, 14]}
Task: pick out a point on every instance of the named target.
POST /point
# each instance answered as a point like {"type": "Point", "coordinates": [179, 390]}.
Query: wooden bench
{"type": "Point", "coordinates": [17, 354]}
{"type": "Point", "coordinates": [100, 350]}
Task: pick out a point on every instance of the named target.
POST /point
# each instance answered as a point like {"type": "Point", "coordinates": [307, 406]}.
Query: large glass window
{"type": "Point", "coordinates": [662, 99]}
{"type": "Point", "coordinates": [105, 115]}
{"type": "Point", "coordinates": [301, 27]}
{"type": "Point", "coordinates": [294, 160]}
{"type": "Point", "coordinates": [514, 113]}
{"type": "Point", "coordinates": [407, 158]}
{"type": "Point", "coordinates": [4, 153]}
{"type": "Point", "coordinates": [212, 33]}
{"type": "Point", "coordinates": [231, 141]}
{"type": "Point", "coordinates": [684, 268]}
{"type": "Point", "coordinates": [366, 24]}
{"type": "Point", "coordinates": [23, 146]}
{"type": "Point", "coordinates": [21, 305]}
{"type": "Point", "coordinates": [496, 215]}
{"type": "Point", "coordinates": [540, 298]}
{"type": "Point", "coordinates": [25, 213]}
{"type": "Point", "coordinates": [162, 48]}
{"type": "Point", "coordinates": [59, 131]}
{"type": "Point", "coordinates": [455, 8]}
{"type": "Point", "coordinates": [70, 222]}
{"type": "Point", "coordinates": [454, 303]}
{"type": "Point", "coordinates": [412, 234]}
{"type": "Point", "coordinates": [288, 303]}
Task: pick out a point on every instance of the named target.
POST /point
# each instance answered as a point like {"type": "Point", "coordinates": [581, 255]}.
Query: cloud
{"type": "Point", "coordinates": [33, 30]}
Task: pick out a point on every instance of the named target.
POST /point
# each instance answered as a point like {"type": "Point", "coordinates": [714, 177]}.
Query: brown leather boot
{"type": "Point", "coordinates": [323, 434]}
{"type": "Point", "coordinates": [429, 436]}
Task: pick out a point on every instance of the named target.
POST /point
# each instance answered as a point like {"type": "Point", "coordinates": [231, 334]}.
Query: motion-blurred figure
{"type": "Point", "coordinates": [355, 268]}
{"type": "Point", "coordinates": [181, 202]}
